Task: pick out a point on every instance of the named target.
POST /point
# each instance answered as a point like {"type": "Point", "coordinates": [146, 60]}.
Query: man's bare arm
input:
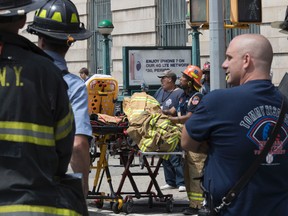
{"type": "Point", "coordinates": [80, 160]}
{"type": "Point", "coordinates": [187, 143]}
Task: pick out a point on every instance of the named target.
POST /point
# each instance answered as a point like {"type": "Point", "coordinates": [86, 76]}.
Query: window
{"type": "Point", "coordinates": [171, 23]}
{"type": "Point", "coordinates": [97, 11]}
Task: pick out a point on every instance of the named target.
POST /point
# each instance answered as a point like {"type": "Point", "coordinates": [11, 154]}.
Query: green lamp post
{"type": "Point", "coordinates": [105, 28]}
{"type": "Point", "coordinates": [195, 46]}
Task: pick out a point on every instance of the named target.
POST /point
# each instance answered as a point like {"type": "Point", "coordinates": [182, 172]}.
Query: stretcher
{"type": "Point", "coordinates": [112, 139]}
{"type": "Point", "coordinates": [102, 96]}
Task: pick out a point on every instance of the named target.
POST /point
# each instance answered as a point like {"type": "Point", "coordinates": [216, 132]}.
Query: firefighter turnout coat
{"type": "Point", "coordinates": [36, 132]}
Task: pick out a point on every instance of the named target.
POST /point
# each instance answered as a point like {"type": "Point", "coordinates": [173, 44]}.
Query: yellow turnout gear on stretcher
{"type": "Point", "coordinates": [148, 128]}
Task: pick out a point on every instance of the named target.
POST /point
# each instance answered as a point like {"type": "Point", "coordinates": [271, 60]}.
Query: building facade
{"type": "Point", "coordinates": [160, 23]}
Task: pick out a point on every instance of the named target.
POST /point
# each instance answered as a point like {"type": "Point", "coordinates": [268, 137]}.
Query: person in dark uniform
{"type": "Point", "coordinates": [36, 123]}
{"type": "Point", "coordinates": [205, 89]}
{"type": "Point", "coordinates": [237, 129]}
{"type": "Point", "coordinates": [55, 36]}
{"type": "Point", "coordinates": [190, 82]}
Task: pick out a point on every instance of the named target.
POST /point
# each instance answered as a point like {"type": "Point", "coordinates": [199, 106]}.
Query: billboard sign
{"type": "Point", "coordinates": [144, 64]}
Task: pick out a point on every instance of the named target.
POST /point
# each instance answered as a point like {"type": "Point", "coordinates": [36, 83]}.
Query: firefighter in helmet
{"type": "Point", "coordinates": [58, 26]}
{"type": "Point", "coordinates": [190, 82]}
{"type": "Point", "coordinates": [36, 123]}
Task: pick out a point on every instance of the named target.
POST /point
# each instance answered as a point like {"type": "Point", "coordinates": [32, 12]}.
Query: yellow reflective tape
{"type": "Point", "coordinates": [195, 196]}
{"type": "Point", "coordinates": [162, 131]}
{"type": "Point", "coordinates": [172, 139]}
{"type": "Point", "coordinates": [193, 74]}
{"type": "Point", "coordinates": [26, 126]}
{"type": "Point", "coordinates": [74, 18]}
{"type": "Point", "coordinates": [3, 77]}
{"type": "Point", "coordinates": [163, 125]}
{"type": "Point", "coordinates": [143, 146]}
{"type": "Point", "coordinates": [38, 209]}
{"type": "Point", "coordinates": [152, 122]}
{"type": "Point", "coordinates": [27, 132]}
{"type": "Point", "coordinates": [138, 99]}
{"type": "Point", "coordinates": [152, 133]}
{"type": "Point", "coordinates": [42, 13]}
{"type": "Point", "coordinates": [33, 140]}
{"type": "Point", "coordinates": [57, 17]}
{"type": "Point", "coordinates": [154, 119]}
{"type": "Point", "coordinates": [147, 142]}
{"type": "Point", "coordinates": [166, 157]}
{"type": "Point", "coordinates": [64, 126]}
{"type": "Point", "coordinates": [153, 101]}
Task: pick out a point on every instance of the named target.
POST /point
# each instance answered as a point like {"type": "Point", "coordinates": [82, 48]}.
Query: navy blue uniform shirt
{"type": "Point", "coordinates": [237, 122]}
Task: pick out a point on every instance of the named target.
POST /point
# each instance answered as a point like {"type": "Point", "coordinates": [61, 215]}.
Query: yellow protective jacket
{"type": "Point", "coordinates": [148, 128]}
{"type": "Point", "coordinates": [36, 132]}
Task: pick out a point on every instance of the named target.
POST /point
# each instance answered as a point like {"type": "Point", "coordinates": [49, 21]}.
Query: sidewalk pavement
{"type": "Point", "coordinates": [140, 205]}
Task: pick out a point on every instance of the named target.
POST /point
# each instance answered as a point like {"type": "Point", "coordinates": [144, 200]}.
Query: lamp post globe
{"type": "Point", "coordinates": [105, 27]}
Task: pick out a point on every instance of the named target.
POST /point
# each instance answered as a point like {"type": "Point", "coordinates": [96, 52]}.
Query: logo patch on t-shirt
{"type": "Point", "coordinates": [260, 133]}
{"type": "Point", "coordinates": [260, 122]}
{"type": "Point", "coordinates": [195, 100]}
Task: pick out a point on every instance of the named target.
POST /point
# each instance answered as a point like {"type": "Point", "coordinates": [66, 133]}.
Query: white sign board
{"type": "Point", "coordinates": [144, 65]}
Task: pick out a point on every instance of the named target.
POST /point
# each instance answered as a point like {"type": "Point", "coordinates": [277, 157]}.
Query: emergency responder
{"type": "Point", "coordinates": [36, 123]}
{"type": "Point", "coordinates": [205, 78]}
{"type": "Point", "coordinates": [168, 96]}
{"type": "Point", "coordinates": [58, 26]}
{"type": "Point", "coordinates": [190, 82]}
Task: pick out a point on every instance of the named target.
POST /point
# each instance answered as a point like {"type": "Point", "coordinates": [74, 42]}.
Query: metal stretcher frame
{"type": "Point", "coordinates": [102, 95]}
{"type": "Point", "coordinates": [157, 195]}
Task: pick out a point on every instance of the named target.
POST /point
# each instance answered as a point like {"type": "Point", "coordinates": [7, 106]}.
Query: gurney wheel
{"type": "Point", "coordinates": [111, 205]}
{"type": "Point", "coordinates": [150, 201]}
{"type": "Point", "coordinates": [169, 206]}
{"type": "Point", "coordinates": [115, 208]}
{"type": "Point", "coordinates": [128, 207]}
{"type": "Point", "coordinates": [99, 203]}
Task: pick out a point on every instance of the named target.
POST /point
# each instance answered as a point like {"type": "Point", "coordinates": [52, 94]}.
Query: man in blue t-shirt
{"type": "Point", "coordinates": [236, 123]}
{"type": "Point", "coordinates": [168, 96]}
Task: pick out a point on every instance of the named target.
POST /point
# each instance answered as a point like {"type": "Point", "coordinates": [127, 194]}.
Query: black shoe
{"type": "Point", "coordinates": [190, 211]}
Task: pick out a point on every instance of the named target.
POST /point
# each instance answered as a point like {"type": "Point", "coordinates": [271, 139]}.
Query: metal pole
{"type": "Point", "coordinates": [106, 56]}
{"type": "Point", "coordinates": [217, 44]}
{"type": "Point", "coordinates": [195, 46]}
